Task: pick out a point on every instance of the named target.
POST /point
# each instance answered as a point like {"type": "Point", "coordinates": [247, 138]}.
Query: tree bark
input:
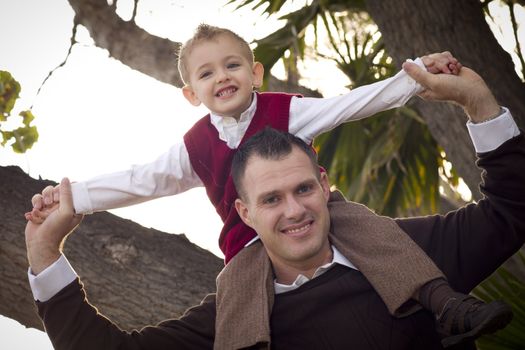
{"type": "Point", "coordinates": [134, 275]}
{"type": "Point", "coordinates": [415, 28]}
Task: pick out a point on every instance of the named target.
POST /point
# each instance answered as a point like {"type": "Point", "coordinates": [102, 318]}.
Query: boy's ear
{"type": "Point", "coordinates": [242, 210]}
{"type": "Point", "coordinates": [190, 95]}
{"type": "Point", "coordinates": [258, 74]}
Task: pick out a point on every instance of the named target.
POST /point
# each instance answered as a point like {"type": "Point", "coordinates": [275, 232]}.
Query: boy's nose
{"type": "Point", "coordinates": [222, 76]}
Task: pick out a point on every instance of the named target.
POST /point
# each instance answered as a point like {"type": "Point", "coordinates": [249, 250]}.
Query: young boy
{"type": "Point", "coordinates": [219, 71]}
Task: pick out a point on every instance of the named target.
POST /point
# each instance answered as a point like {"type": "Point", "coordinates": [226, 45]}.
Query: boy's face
{"type": "Point", "coordinates": [221, 77]}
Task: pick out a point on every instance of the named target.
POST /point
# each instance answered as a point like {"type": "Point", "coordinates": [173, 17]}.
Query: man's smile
{"type": "Point", "coordinates": [298, 229]}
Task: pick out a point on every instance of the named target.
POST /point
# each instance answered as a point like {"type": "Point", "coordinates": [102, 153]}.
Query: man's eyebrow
{"type": "Point", "coordinates": [264, 195]}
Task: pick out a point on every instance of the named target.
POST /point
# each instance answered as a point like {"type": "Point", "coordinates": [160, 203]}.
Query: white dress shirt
{"type": "Point", "coordinates": [172, 172]}
{"type": "Point", "coordinates": [486, 137]}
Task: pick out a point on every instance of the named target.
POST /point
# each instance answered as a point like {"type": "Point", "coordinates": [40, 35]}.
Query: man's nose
{"type": "Point", "coordinates": [294, 208]}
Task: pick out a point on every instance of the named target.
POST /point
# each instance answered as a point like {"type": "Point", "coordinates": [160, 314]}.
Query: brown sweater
{"type": "Point", "coordinates": [339, 309]}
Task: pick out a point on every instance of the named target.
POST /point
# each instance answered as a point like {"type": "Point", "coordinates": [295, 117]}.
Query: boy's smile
{"type": "Point", "coordinates": [221, 76]}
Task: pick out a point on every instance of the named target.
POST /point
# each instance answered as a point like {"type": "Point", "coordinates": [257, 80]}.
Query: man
{"type": "Point", "coordinates": [286, 200]}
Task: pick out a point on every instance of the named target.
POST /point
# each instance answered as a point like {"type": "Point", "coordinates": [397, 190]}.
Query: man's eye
{"type": "Point", "coordinates": [304, 189]}
{"type": "Point", "coordinates": [270, 200]}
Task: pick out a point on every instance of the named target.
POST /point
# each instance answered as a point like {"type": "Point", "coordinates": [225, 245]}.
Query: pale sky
{"type": "Point", "coordinates": [96, 115]}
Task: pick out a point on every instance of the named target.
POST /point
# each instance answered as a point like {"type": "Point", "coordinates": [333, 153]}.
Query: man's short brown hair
{"type": "Point", "coordinates": [203, 33]}
{"type": "Point", "coordinates": [270, 144]}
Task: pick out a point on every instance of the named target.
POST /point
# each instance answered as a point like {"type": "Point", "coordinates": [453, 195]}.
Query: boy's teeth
{"type": "Point", "coordinates": [226, 92]}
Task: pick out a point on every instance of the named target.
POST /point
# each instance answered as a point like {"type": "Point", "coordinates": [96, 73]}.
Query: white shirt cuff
{"type": "Point", "coordinates": [81, 200]}
{"type": "Point", "coordinates": [52, 280]}
{"type": "Point", "coordinates": [489, 135]}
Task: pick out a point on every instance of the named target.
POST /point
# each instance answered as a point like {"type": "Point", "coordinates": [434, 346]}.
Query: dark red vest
{"type": "Point", "coordinates": [211, 159]}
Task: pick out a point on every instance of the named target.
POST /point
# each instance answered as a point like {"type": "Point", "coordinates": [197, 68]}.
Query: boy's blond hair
{"type": "Point", "coordinates": [203, 33]}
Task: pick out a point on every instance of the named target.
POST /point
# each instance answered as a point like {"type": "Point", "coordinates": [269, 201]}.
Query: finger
{"type": "Point", "coordinates": [37, 201]}
{"type": "Point", "coordinates": [56, 194]}
{"type": "Point", "coordinates": [419, 75]}
{"type": "Point", "coordinates": [442, 65]}
{"type": "Point", "coordinates": [47, 194]}
{"type": "Point", "coordinates": [429, 64]}
{"type": "Point", "coordinates": [36, 216]}
{"type": "Point", "coordinates": [31, 218]}
{"type": "Point", "coordinates": [453, 68]}
{"type": "Point", "coordinates": [448, 55]}
{"type": "Point", "coordinates": [66, 196]}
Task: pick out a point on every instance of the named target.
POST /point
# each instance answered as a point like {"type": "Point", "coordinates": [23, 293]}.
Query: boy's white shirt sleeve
{"type": "Point", "coordinates": [169, 174]}
{"type": "Point", "coordinates": [311, 116]}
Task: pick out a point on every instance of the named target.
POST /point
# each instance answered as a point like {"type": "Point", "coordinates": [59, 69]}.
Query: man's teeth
{"type": "Point", "coordinates": [298, 229]}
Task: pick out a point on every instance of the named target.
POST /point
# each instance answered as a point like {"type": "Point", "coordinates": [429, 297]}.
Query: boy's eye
{"type": "Point", "coordinates": [232, 65]}
{"type": "Point", "coordinates": [204, 75]}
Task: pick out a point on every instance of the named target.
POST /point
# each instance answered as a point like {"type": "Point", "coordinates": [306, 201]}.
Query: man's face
{"type": "Point", "coordinates": [286, 204]}
{"type": "Point", "coordinates": [221, 76]}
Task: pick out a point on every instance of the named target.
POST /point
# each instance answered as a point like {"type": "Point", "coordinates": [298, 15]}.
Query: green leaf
{"type": "Point", "coordinates": [27, 117]}
{"type": "Point", "coordinates": [271, 48]}
{"type": "Point", "coordinates": [25, 137]}
{"type": "Point", "coordinates": [9, 91]}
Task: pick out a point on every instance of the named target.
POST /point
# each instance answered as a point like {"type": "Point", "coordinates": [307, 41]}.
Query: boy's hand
{"type": "Point", "coordinates": [43, 204]}
{"type": "Point", "coordinates": [44, 240]}
{"type": "Point", "coordinates": [442, 62]}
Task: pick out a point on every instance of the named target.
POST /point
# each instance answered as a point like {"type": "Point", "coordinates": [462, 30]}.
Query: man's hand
{"type": "Point", "coordinates": [466, 89]}
{"type": "Point", "coordinates": [44, 239]}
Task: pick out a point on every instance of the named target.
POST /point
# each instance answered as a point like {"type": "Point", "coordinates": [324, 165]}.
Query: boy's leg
{"type": "Point", "coordinates": [399, 270]}
{"type": "Point", "coordinates": [245, 294]}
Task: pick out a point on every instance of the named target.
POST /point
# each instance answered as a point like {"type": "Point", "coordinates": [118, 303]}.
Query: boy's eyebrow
{"type": "Point", "coordinates": [202, 66]}
{"type": "Point", "coordinates": [209, 63]}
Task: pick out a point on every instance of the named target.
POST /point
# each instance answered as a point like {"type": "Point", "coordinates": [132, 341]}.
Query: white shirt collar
{"type": "Point", "coordinates": [338, 258]}
{"type": "Point", "coordinates": [232, 131]}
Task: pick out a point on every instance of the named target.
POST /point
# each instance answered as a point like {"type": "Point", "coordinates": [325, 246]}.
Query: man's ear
{"type": "Point", "coordinates": [190, 95]}
{"type": "Point", "coordinates": [325, 185]}
{"type": "Point", "coordinates": [242, 210]}
{"type": "Point", "coordinates": [258, 74]}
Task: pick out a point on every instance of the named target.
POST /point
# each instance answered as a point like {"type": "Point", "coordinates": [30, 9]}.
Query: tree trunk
{"type": "Point", "coordinates": [159, 274]}
{"type": "Point", "coordinates": [415, 28]}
